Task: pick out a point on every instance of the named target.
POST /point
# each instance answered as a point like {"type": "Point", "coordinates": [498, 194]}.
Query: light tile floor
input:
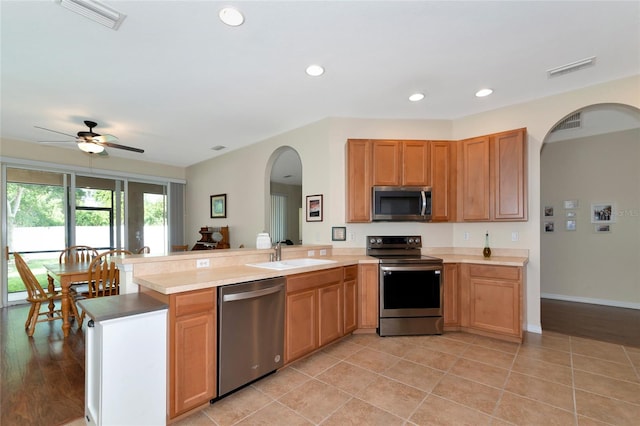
{"type": "Point", "coordinates": [456, 379]}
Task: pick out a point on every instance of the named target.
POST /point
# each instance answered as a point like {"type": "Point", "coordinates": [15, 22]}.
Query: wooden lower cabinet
{"type": "Point", "coordinates": [451, 296]}
{"type": "Point", "coordinates": [492, 300]}
{"type": "Point", "coordinates": [314, 311]}
{"type": "Point", "coordinates": [330, 313]}
{"type": "Point", "coordinates": [368, 297]}
{"type": "Point", "coordinates": [192, 350]}
{"type": "Point", "coordinates": [301, 329]}
{"type": "Point", "coordinates": [350, 295]}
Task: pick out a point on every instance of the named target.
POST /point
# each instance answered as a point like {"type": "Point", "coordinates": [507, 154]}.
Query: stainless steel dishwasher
{"type": "Point", "coordinates": [250, 332]}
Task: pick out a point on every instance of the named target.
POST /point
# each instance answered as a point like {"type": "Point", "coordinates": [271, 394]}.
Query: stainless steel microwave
{"type": "Point", "coordinates": [401, 203]}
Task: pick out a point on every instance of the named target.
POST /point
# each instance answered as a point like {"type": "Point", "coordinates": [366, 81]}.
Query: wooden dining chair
{"type": "Point", "coordinates": [77, 254]}
{"type": "Point", "coordinates": [180, 247]}
{"type": "Point", "coordinates": [104, 276]}
{"type": "Point", "coordinates": [38, 298]}
{"type": "Point", "coordinates": [144, 250]}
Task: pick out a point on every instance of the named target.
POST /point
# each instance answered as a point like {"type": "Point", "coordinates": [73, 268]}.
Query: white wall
{"type": "Point", "coordinates": [583, 265]}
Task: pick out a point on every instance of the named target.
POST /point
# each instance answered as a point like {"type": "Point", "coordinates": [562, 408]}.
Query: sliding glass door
{"type": "Point", "coordinates": [48, 211]}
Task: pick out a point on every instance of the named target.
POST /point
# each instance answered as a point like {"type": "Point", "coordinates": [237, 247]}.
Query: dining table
{"type": "Point", "coordinates": [66, 274]}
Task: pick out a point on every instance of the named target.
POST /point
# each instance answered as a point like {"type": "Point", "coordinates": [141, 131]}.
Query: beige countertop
{"type": "Point", "coordinates": [197, 279]}
{"type": "Point", "coordinates": [186, 277]}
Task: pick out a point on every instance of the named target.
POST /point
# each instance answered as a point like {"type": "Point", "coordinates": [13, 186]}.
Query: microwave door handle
{"type": "Point", "coordinates": [423, 211]}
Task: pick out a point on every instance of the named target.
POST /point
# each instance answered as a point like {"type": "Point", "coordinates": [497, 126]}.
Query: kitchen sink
{"type": "Point", "coordinates": [291, 263]}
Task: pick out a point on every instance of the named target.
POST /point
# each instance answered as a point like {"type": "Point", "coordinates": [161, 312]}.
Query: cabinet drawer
{"type": "Point", "coordinates": [194, 301]}
{"type": "Point", "coordinates": [499, 272]}
{"type": "Point", "coordinates": [313, 279]}
{"type": "Point", "coordinates": [350, 272]}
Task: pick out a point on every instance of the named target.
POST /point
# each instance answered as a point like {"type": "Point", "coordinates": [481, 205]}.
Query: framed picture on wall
{"type": "Point", "coordinates": [602, 213]}
{"type": "Point", "coordinates": [602, 228]}
{"type": "Point", "coordinates": [218, 205]}
{"type": "Point", "coordinates": [314, 208]}
{"type": "Point", "coordinates": [548, 226]}
{"type": "Point", "coordinates": [339, 233]}
{"type": "Point", "coordinates": [548, 211]}
{"type": "Point", "coordinates": [570, 225]}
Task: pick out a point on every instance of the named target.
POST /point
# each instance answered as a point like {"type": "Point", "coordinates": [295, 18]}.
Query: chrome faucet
{"type": "Point", "coordinates": [278, 249]}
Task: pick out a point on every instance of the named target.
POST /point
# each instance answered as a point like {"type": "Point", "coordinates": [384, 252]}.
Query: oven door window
{"type": "Point", "coordinates": [410, 292]}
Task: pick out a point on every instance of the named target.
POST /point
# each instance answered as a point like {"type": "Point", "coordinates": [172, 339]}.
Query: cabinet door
{"type": "Point", "coordinates": [330, 309]}
{"type": "Point", "coordinates": [451, 295]}
{"type": "Point", "coordinates": [443, 196]}
{"type": "Point", "coordinates": [301, 327]}
{"type": "Point", "coordinates": [476, 182]}
{"type": "Point", "coordinates": [509, 161]}
{"type": "Point", "coordinates": [387, 162]}
{"type": "Point", "coordinates": [415, 163]}
{"type": "Point", "coordinates": [358, 191]}
{"type": "Point", "coordinates": [495, 294]}
{"type": "Point", "coordinates": [350, 295]}
{"type": "Point", "coordinates": [192, 350]}
{"type": "Point", "coordinates": [368, 296]}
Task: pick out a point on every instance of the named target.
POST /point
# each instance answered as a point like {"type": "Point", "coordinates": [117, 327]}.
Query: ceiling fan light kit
{"type": "Point", "coordinates": [96, 11]}
{"type": "Point", "coordinates": [90, 147]}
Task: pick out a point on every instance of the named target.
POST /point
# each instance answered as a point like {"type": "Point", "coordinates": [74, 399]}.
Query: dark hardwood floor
{"type": "Point", "coordinates": [41, 378]}
{"type": "Point", "coordinates": [599, 322]}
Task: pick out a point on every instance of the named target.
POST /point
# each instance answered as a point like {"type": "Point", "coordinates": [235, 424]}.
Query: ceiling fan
{"type": "Point", "coordinates": [91, 142]}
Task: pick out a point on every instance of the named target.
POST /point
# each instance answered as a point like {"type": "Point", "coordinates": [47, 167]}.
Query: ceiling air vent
{"type": "Point", "coordinates": [574, 121]}
{"type": "Point", "coordinates": [573, 66]}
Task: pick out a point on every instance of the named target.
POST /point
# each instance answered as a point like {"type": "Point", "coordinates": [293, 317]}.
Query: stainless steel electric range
{"type": "Point", "coordinates": [410, 286]}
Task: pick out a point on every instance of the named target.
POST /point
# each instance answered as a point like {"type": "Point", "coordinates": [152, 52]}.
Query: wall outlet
{"type": "Point", "coordinates": [323, 252]}
{"type": "Point", "coordinates": [515, 236]}
{"type": "Point", "coordinates": [465, 236]}
{"type": "Point", "coordinates": [311, 253]}
{"type": "Point", "coordinates": [352, 236]}
{"type": "Point", "coordinates": [202, 263]}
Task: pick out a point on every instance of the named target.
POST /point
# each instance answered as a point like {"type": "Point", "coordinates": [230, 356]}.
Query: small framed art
{"type": "Point", "coordinates": [314, 208]}
{"type": "Point", "coordinates": [338, 233]}
{"type": "Point", "coordinates": [602, 213]}
{"type": "Point", "coordinates": [548, 226]}
{"type": "Point", "coordinates": [218, 206]}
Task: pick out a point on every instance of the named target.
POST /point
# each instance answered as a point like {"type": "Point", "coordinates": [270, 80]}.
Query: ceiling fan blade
{"type": "Point", "coordinates": [55, 131]}
{"type": "Point", "coordinates": [55, 141]}
{"type": "Point", "coordinates": [104, 138]}
{"type": "Point", "coordinates": [128, 148]}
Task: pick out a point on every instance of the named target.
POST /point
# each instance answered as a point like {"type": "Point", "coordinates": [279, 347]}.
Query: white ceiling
{"type": "Point", "coordinates": [175, 81]}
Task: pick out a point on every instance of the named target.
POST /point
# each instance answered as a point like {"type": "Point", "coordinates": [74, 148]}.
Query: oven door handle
{"type": "Point", "coordinates": [436, 268]}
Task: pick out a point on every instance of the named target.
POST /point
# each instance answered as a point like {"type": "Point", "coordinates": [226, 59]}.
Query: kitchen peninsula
{"type": "Point", "coordinates": [323, 302]}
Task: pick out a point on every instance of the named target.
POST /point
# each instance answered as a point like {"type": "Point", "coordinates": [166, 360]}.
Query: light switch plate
{"type": "Point", "coordinates": [202, 263]}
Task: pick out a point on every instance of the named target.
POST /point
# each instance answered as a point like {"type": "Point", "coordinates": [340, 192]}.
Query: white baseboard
{"type": "Point", "coordinates": [534, 328]}
{"type": "Point", "coordinates": [605, 302]}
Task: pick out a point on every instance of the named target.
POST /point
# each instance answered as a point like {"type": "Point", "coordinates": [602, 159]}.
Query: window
{"type": "Point", "coordinates": [278, 217]}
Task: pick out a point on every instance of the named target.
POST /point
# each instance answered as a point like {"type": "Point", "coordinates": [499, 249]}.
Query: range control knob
{"type": "Point", "coordinates": [379, 241]}
{"type": "Point", "coordinates": [372, 241]}
{"type": "Point", "coordinates": [417, 240]}
{"type": "Point", "coordinates": [410, 240]}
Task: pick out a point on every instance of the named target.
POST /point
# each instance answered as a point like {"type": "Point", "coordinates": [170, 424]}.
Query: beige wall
{"type": "Point", "coordinates": [242, 175]}
{"type": "Point", "coordinates": [74, 157]}
{"type": "Point", "coordinates": [584, 265]}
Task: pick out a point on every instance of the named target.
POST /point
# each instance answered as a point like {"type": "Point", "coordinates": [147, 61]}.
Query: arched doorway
{"type": "Point", "coordinates": [284, 203]}
{"type": "Point", "coordinates": [589, 163]}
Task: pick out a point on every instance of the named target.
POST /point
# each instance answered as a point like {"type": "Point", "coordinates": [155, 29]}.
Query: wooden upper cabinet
{"type": "Point", "coordinates": [476, 182]}
{"type": "Point", "coordinates": [415, 164]}
{"type": "Point", "coordinates": [358, 189]}
{"type": "Point", "coordinates": [387, 163]}
{"type": "Point", "coordinates": [400, 163]}
{"type": "Point", "coordinates": [443, 180]}
{"type": "Point", "coordinates": [509, 163]}
{"type": "Point", "coordinates": [493, 177]}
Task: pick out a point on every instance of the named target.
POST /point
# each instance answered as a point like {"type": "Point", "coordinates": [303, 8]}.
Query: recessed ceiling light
{"type": "Point", "coordinates": [218, 148]}
{"type": "Point", "coordinates": [416, 97]}
{"type": "Point", "coordinates": [315, 70]}
{"type": "Point", "coordinates": [231, 16]}
{"type": "Point", "coordinates": [484, 92]}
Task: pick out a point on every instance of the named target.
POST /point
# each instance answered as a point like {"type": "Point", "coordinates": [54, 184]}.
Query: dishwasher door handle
{"type": "Point", "coordinates": [252, 294]}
